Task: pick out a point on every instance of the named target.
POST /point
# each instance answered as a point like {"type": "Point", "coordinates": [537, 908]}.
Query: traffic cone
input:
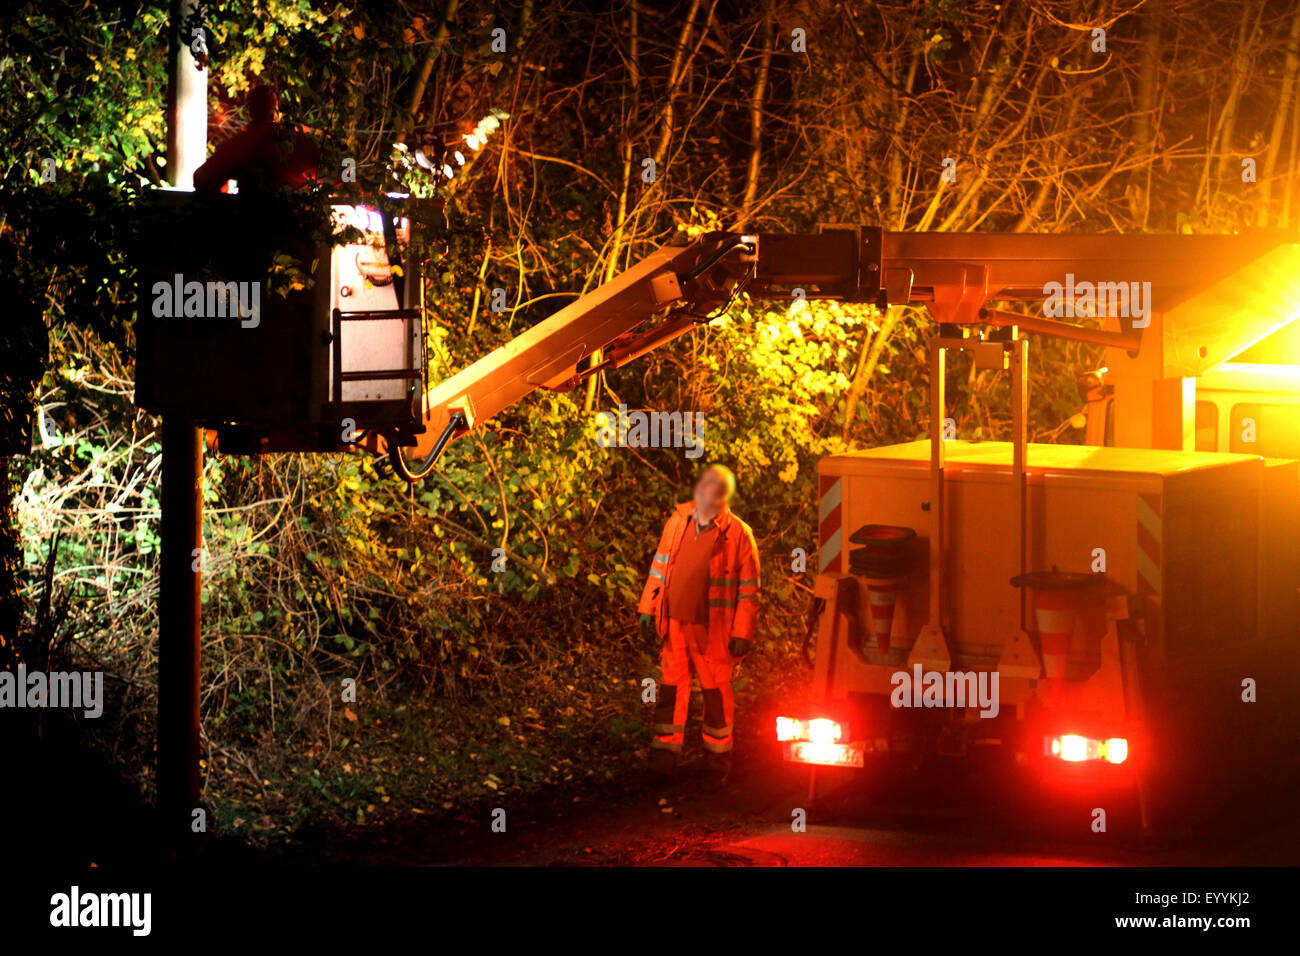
{"type": "Point", "coordinates": [881, 597]}
{"type": "Point", "coordinates": [1054, 613]}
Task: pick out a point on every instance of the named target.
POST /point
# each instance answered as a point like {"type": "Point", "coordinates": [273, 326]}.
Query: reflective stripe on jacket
{"type": "Point", "coordinates": [733, 575]}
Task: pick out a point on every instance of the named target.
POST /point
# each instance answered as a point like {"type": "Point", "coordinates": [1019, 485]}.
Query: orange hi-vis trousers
{"type": "Point", "coordinates": [687, 646]}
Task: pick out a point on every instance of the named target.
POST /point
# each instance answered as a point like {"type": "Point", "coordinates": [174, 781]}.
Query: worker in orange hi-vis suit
{"type": "Point", "coordinates": [265, 155]}
{"type": "Point", "coordinates": [702, 602]}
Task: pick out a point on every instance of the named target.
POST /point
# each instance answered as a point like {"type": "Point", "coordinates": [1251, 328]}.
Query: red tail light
{"type": "Point", "coordinates": [822, 730]}
{"type": "Point", "coordinates": [1072, 748]}
{"type": "Point", "coordinates": [819, 730]}
{"type": "Point", "coordinates": [787, 728]}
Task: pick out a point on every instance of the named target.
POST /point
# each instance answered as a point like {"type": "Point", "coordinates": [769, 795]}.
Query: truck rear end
{"type": "Point", "coordinates": [1147, 570]}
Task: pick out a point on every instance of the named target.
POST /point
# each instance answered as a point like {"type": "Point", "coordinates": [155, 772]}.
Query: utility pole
{"type": "Point", "coordinates": [181, 533]}
{"type": "Point", "coordinates": [187, 97]}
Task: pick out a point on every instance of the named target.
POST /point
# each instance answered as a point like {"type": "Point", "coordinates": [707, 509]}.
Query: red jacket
{"type": "Point", "coordinates": [261, 156]}
{"type": "Point", "coordinates": [733, 575]}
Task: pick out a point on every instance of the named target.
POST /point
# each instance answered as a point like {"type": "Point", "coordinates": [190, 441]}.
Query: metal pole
{"type": "Point", "coordinates": [187, 100]}
{"type": "Point", "coordinates": [181, 525]}
{"type": "Point", "coordinates": [180, 588]}
{"type": "Point", "coordinates": [1019, 438]}
{"type": "Point", "coordinates": [938, 411]}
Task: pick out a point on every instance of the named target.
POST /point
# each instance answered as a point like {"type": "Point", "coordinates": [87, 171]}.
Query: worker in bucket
{"type": "Point", "coordinates": [263, 156]}
{"type": "Point", "coordinates": [701, 602]}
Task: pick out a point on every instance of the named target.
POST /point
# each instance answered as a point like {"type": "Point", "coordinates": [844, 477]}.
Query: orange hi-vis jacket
{"type": "Point", "coordinates": [733, 575]}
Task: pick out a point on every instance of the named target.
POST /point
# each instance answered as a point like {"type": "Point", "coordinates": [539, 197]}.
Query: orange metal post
{"type": "Point", "coordinates": [938, 409]}
{"type": "Point", "coordinates": [1019, 440]}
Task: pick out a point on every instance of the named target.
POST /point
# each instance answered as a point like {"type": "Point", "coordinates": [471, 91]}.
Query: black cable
{"type": "Point", "coordinates": [403, 468]}
{"type": "Point", "coordinates": [718, 313]}
{"type": "Point", "coordinates": [708, 261]}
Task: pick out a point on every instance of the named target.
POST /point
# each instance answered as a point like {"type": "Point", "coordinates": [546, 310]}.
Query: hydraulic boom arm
{"type": "Point", "coordinates": [955, 275]}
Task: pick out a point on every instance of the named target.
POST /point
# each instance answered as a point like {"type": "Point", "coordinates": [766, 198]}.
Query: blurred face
{"type": "Point", "coordinates": [710, 491]}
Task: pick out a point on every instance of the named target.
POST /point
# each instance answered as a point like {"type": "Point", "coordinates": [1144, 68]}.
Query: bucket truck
{"type": "Point", "coordinates": [1110, 595]}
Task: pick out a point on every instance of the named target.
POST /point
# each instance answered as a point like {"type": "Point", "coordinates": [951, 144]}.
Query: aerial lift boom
{"type": "Point", "coordinates": [1211, 297]}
